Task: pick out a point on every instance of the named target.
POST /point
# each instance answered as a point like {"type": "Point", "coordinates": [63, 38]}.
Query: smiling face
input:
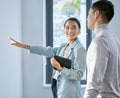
{"type": "Point", "coordinates": [71, 30]}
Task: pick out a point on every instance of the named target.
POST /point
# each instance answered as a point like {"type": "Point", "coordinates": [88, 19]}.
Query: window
{"type": "Point", "coordinates": [57, 11]}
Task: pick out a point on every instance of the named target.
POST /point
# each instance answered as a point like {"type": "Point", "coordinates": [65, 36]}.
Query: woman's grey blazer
{"type": "Point", "coordinates": [68, 81]}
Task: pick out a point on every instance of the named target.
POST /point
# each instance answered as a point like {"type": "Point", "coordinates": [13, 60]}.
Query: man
{"type": "Point", "coordinates": [103, 55]}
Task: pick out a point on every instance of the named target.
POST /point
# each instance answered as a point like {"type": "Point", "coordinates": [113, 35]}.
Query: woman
{"type": "Point", "coordinates": [68, 80]}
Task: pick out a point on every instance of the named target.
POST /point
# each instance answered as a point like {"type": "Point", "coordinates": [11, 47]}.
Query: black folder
{"type": "Point", "coordinates": [64, 62]}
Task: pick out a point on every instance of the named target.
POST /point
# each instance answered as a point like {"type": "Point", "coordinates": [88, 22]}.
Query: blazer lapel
{"type": "Point", "coordinates": [71, 48]}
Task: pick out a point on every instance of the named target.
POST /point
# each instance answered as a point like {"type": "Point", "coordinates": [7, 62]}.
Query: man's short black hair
{"type": "Point", "coordinates": [105, 7]}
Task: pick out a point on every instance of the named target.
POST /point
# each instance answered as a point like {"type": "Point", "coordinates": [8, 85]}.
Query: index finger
{"type": "Point", "coordinates": [11, 38]}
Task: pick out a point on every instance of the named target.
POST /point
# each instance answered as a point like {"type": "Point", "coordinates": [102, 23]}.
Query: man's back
{"type": "Point", "coordinates": [103, 62]}
{"type": "Point", "coordinates": [111, 81]}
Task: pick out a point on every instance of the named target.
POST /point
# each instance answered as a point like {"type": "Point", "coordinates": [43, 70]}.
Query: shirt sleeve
{"type": "Point", "coordinates": [97, 65]}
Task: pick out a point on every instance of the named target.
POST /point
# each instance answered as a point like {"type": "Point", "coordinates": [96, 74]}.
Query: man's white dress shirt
{"type": "Point", "coordinates": [103, 63]}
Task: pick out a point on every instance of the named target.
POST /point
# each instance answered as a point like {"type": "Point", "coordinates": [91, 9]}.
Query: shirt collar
{"type": "Point", "coordinates": [100, 27]}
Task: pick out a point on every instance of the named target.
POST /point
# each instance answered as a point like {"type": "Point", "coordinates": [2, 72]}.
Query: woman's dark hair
{"type": "Point", "coordinates": [105, 7]}
{"type": "Point", "coordinates": [73, 19]}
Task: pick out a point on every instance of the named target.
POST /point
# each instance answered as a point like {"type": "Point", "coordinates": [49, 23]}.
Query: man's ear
{"type": "Point", "coordinates": [97, 14]}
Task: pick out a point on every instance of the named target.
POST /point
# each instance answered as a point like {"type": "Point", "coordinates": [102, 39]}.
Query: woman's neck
{"type": "Point", "coordinates": [71, 41]}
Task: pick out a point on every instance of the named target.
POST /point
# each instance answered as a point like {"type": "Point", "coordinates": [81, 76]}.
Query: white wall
{"type": "Point", "coordinates": [10, 57]}
{"type": "Point", "coordinates": [32, 20]}
{"type": "Point", "coordinates": [115, 23]}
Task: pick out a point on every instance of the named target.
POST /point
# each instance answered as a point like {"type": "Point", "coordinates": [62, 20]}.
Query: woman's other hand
{"type": "Point", "coordinates": [56, 64]}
